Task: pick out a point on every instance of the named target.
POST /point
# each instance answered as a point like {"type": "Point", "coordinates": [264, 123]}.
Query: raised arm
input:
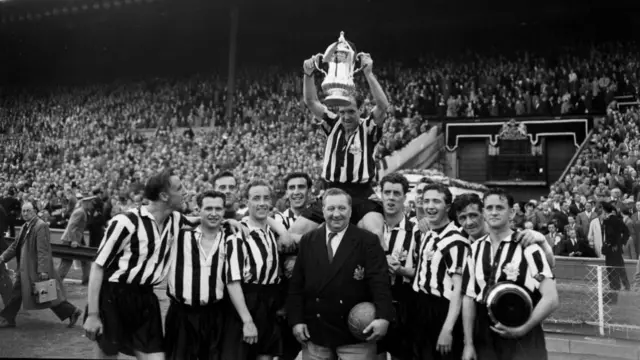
{"type": "Point", "coordinates": [310, 94]}
{"type": "Point", "coordinates": [382, 103]}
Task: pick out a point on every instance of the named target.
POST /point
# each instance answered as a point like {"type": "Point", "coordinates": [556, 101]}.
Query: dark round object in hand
{"type": "Point", "coordinates": [360, 317]}
{"type": "Point", "coordinates": [509, 304]}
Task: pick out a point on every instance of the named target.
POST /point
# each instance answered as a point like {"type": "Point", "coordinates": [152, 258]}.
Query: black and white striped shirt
{"type": "Point", "coordinates": [197, 277]}
{"type": "Point", "coordinates": [399, 242]}
{"type": "Point", "coordinates": [441, 255]}
{"type": "Point", "coordinates": [260, 259]}
{"type": "Point", "coordinates": [350, 160]}
{"type": "Point", "coordinates": [286, 218]}
{"type": "Point", "coordinates": [525, 267]}
{"type": "Point", "coordinates": [142, 259]}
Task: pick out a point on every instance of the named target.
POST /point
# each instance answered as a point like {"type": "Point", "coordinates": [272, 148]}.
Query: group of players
{"type": "Point", "coordinates": [227, 281]}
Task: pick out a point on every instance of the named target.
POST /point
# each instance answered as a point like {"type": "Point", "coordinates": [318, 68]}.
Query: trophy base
{"type": "Point", "coordinates": [338, 101]}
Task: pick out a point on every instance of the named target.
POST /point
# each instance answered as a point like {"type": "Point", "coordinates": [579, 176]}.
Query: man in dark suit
{"type": "Point", "coordinates": [568, 246]}
{"type": "Point", "coordinates": [324, 288]}
{"type": "Point", "coordinates": [74, 236]}
{"type": "Point", "coordinates": [572, 225]}
{"type": "Point", "coordinates": [560, 217]}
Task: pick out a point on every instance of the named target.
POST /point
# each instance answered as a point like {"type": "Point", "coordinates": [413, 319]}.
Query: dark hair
{"type": "Point", "coordinates": [223, 174]}
{"type": "Point", "coordinates": [464, 200]}
{"type": "Point", "coordinates": [500, 192]}
{"type": "Point", "coordinates": [608, 207]}
{"type": "Point", "coordinates": [443, 189]}
{"type": "Point", "coordinates": [336, 192]}
{"type": "Point", "coordinates": [157, 183]}
{"type": "Point", "coordinates": [255, 183]}
{"type": "Point", "coordinates": [395, 178]}
{"type": "Point", "coordinates": [210, 194]}
{"type": "Point", "coordinates": [296, 175]}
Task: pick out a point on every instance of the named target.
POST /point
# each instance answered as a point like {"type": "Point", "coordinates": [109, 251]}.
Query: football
{"type": "Point", "coordinates": [360, 317]}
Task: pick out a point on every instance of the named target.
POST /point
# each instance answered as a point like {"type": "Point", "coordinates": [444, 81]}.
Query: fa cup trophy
{"type": "Point", "coordinates": [338, 82]}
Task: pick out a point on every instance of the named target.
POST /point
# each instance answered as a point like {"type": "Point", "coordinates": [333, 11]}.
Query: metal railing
{"type": "Point", "coordinates": [64, 251]}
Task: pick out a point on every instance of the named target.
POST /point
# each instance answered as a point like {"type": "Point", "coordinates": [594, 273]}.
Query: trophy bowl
{"type": "Point", "coordinates": [338, 82]}
{"type": "Point", "coordinates": [508, 304]}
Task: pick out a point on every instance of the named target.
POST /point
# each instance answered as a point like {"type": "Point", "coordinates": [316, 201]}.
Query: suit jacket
{"type": "Point", "coordinates": [75, 228]}
{"type": "Point", "coordinates": [566, 247]}
{"type": "Point", "coordinates": [321, 294]}
{"type": "Point", "coordinates": [583, 220]}
{"type": "Point", "coordinates": [561, 219]}
{"type": "Point", "coordinates": [33, 256]}
{"type": "Point", "coordinates": [579, 234]}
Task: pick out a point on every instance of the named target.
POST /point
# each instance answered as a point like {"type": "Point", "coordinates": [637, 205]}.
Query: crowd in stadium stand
{"type": "Point", "coordinates": [64, 141]}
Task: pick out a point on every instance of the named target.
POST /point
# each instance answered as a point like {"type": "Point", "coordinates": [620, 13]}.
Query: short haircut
{"type": "Point", "coordinates": [464, 200]}
{"type": "Point", "coordinates": [210, 194]}
{"type": "Point", "coordinates": [223, 174]}
{"type": "Point", "coordinates": [395, 178]}
{"type": "Point", "coordinates": [608, 207]}
{"type": "Point", "coordinates": [158, 183]}
{"type": "Point", "coordinates": [34, 205]}
{"type": "Point", "coordinates": [443, 189]}
{"type": "Point", "coordinates": [335, 192]}
{"type": "Point", "coordinates": [296, 175]}
{"type": "Point", "coordinates": [500, 192]}
{"type": "Point", "coordinates": [256, 183]}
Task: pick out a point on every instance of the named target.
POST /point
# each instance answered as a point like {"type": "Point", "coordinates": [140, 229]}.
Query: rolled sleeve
{"type": "Point", "coordinates": [456, 257]}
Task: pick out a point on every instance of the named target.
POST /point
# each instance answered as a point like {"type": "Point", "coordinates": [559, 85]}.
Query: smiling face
{"type": "Point", "coordinates": [297, 192]}
{"type": "Point", "coordinates": [337, 212]}
{"type": "Point", "coordinates": [435, 208]}
{"type": "Point", "coordinates": [471, 220]}
{"type": "Point", "coordinates": [212, 212]}
{"type": "Point", "coordinates": [350, 116]}
{"type": "Point", "coordinates": [259, 202]}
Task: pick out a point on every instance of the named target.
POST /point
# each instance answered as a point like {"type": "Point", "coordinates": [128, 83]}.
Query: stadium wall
{"type": "Point", "coordinates": [524, 155]}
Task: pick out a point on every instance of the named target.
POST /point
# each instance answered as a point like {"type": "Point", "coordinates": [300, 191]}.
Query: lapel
{"type": "Point", "coordinates": [347, 244]}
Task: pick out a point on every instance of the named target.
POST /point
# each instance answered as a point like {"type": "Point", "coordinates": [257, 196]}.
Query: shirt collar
{"type": "Point", "coordinates": [339, 233]}
{"type": "Point", "coordinates": [401, 225]}
{"type": "Point", "coordinates": [505, 239]}
{"type": "Point", "coordinates": [251, 227]}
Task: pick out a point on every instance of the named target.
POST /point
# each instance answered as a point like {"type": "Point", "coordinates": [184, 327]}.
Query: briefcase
{"type": "Point", "coordinates": [45, 291]}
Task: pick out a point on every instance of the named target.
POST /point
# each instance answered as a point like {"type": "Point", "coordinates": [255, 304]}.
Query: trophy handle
{"type": "Point", "coordinates": [317, 61]}
{"type": "Point", "coordinates": [358, 56]}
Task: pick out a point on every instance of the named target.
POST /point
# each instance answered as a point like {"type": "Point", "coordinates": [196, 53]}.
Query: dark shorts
{"type": "Point", "coordinates": [397, 341]}
{"type": "Point", "coordinates": [490, 345]}
{"type": "Point", "coordinates": [427, 318]}
{"type": "Point", "coordinates": [263, 302]}
{"type": "Point", "coordinates": [194, 332]}
{"type": "Point", "coordinates": [131, 320]}
{"type": "Point", "coordinates": [361, 205]}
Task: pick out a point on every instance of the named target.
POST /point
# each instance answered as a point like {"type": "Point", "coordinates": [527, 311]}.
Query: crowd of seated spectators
{"type": "Point", "coordinates": [63, 141]}
{"type": "Point", "coordinates": [605, 171]}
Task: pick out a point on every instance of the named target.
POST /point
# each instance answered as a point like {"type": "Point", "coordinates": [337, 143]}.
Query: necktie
{"type": "Point", "coordinates": [332, 235]}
